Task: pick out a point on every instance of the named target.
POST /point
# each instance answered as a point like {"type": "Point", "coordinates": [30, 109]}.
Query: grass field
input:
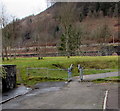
{"type": "Point", "coordinates": [89, 63]}
{"type": "Point", "coordinates": [108, 79]}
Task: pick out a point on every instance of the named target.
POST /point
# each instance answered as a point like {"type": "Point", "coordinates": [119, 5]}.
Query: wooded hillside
{"type": "Point", "coordinates": [46, 28]}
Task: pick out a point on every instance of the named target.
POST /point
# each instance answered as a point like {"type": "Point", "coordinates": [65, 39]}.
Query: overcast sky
{"type": "Point", "coordinates": [23, 8]}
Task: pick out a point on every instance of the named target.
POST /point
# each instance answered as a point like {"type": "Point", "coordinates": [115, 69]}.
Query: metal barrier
{"type": "Point", "coordinates": [46, 72]}
{"type": "Point", "coordinates": [65, 74]}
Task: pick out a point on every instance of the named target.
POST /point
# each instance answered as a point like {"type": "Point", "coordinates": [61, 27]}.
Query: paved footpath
{"type": "Point", "coordinates": [74, 95]}
{"type": "Point", "coordinates": [101, 75]}
{"type": "Point", "coordinates": [113, 97]}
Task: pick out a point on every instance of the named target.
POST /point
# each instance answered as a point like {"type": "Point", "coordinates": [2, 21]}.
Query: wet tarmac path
{"type": "Point", "coordinates": [42, 87]}
{"type": "Point", "coordinates": [51, 95]}
{"type": "Point", "coordinates": [59, 95]}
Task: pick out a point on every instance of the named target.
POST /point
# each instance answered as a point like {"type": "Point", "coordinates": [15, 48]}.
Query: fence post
{"type": "Point", "coordinates": [81, 73]}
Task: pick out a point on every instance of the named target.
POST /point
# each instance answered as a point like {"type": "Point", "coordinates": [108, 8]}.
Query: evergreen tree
{"type": "Point", "coordinates": [74, 37]}
{"type": "Point", "coordinates": [62, 45]}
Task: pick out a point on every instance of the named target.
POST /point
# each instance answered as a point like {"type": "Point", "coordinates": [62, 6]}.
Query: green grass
{"type": "Point", "coordinates": [88, 62]}
{"type": "Point", "coordinates": [113, 78]}
{"type": "Point", "coordinates": [34, 80]}
{"type": "Point", "coordinates": [108, 79]}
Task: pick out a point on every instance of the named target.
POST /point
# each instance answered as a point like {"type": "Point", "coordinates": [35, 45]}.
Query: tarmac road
{"type": "Point", "coordinates": [74, 95]}
{"type": "Point", "coordinates": [113, 97]}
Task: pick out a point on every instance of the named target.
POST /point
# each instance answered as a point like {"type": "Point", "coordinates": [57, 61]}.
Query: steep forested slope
{"type": "Point", "coordinates": [46, 29]}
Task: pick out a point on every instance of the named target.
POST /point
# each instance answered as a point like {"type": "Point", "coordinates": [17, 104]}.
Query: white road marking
{"type": "Point", "coordinates": [105, 100]}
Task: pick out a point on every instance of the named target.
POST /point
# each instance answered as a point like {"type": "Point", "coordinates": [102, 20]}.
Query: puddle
{"type": "Point", "coordinates": [49, 84]}
{"type": "Point", "coordinates": [44, 90]}
{"type": "Point", "coordinates": [45, 87]}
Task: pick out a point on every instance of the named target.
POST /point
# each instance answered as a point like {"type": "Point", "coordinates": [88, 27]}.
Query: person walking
{"type": "Point", "coordinates": [70, 72]}
{"type": "Point", "coordinates": [80, 71]}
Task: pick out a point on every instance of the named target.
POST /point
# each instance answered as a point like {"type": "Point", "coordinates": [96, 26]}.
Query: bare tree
{"type": "Point", "coordinates": [102, 33]}
{"type": "Point", "coordinates": [90, 14]}
{"type": "Point", "coordinates": [39, 33]}
{"type": "Point", "coordinates": [116, 10]}
{"type": "Point", "coordinates": [5, 32]}
{"type": "Point", "coordinates": [110, 12]}
{"type": "Point", "coordinates": [100, 14]}
{"type": "Point", "coordinates": [14, 32]}
{"type": "Point", "coordinates": [8, 32]}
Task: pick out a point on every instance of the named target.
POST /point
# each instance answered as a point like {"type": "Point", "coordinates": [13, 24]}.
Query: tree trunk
{"type": "Point", "coordinates": [15, 53]}
{"type": "Point", "coordinates": [10, 52]}
{"type": "Point", "coordinates": [6, 53]}
{"type": "Point", "coordinates": [3, 56]}
{"type": "Point", "coordinates": [39, 54]}
{"type": "Point", "coordinates": [68, 55]}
